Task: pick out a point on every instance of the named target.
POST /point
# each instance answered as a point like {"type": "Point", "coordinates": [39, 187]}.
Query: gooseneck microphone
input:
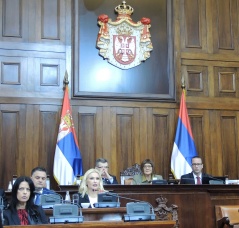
{"type": "Point", "coordinates": [217, 180]}
{"type": "Point", "coordinates": [64, 211]}
{"type": "Point", "coordinates": [1, 210]}
{"type": "Point", "coordinates": [137, 211]}
{"type": "Point", "coordinates": [48, 200]}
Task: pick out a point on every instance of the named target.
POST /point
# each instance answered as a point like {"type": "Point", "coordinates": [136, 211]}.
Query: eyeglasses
{"type": "Point", "coordinates": [147, 166]}
{"type": "Point", "coordinates": [103, 167]}
{"type": "Point", "coordinates": [196, 164]}
{"type": "Point", "coordinates": [23, 189]}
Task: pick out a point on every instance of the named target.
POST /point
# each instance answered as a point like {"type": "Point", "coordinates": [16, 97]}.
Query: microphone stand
{"type": "Point", "coordinates": [1, 211]}
{"type": "Point", "coordinates": [136, 216]}
{"type": "Point", "coordinates": [49, 199]}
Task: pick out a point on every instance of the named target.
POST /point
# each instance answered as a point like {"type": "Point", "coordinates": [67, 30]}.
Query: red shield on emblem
{"type": "Point", "coordinates": [124, 49]}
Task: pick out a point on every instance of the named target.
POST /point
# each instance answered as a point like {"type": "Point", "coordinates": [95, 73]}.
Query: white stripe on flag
{"type": "Point", "coordinates": [62, 169]}
{"type": "Point", "coordinates": [179, 165]}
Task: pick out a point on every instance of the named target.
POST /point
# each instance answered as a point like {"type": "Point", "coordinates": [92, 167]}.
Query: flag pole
{"type": "Point", "coordinates": [184, 148]}
{"type": "Point", "coordinates": [183, 86]}
{"type": "Point", "coordinates": [67, 160]}
{"type": "Point", "coordinates": [65, 81]}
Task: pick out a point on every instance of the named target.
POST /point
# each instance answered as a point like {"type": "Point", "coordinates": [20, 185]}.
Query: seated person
{"type": "Point", "coordinates": [91, 185]}
{"type": "Point", "coordinates": [39, 176]}
{"type": "Point", "coordinates": [4, 199]}
{"type": "Point", "coordinates": [22, 210]}
{"type": "Point", "coordinates": [147, 176]}
{"type": "Point", "coordinates": [102, 165]}
{"type": "Point", "coordinates": [196, 176]}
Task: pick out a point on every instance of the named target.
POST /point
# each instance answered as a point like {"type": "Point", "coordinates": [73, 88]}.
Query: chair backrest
{"type": "Point", "coordinates": [126, 176]}
{"type": "Point", "coordinates": [230, 211]}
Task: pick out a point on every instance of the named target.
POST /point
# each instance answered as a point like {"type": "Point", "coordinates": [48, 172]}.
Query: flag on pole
{"type": "Point", "coordinates": [67, 160]}
{"type": "Point", "coordinates": [184, 147]}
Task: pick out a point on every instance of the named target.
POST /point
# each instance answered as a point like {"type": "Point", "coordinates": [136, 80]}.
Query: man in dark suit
{"type": "Point", "coordinates": [102, 165]}
{"type": "Point", "coordinates": [196, 176]}
{"type": "Point", "coordinates": [39, 176]}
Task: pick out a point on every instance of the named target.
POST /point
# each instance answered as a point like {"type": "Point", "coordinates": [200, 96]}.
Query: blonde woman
{"type": "Point", "coordinates": [90, 186]}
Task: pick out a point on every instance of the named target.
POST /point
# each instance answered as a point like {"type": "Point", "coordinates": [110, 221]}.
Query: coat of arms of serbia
{"type": "Point", "coordinates": [123, 42]}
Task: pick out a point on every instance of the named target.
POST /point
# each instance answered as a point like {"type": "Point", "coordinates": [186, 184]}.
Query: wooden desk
{"type": "Point", "coordinates": [109, 224]}
{"type": "Point", "coordinates": [196, 203]}
{"type": "Point", "coordinates": [99, 214]}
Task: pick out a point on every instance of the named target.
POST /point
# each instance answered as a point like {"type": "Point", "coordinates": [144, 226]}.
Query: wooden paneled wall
{"type": "Point", "coordinates": [36, 43]}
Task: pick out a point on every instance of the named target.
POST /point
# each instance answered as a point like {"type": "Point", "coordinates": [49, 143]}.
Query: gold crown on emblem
{"type": "Point", "coordinates": [124, 9]}
{"type": "Point", "coordinates": [162, 200]}
{"type": "Point", "coordinates": [124, 30]}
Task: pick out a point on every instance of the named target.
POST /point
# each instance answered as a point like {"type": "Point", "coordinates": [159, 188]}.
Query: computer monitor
{"type": "Point", "coordinates": [107, 200]}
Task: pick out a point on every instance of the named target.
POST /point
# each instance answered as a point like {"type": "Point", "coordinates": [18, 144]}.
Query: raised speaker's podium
{"type": "Point", "coordinates": [66, 213]}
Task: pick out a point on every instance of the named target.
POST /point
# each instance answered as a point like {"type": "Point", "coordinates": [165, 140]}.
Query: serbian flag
{"type": "Point", "coordinates": [184, 147]}
{"type": "Point", "coordinates": [67, 160]}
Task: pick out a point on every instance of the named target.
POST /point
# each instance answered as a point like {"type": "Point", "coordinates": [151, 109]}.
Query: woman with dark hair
{"type": "Point", "coordinates": [148, 173]}
{"type": "Point", "coordinates": [22, 210]}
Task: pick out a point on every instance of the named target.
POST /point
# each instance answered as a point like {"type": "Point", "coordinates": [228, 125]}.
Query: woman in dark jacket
{"type": "Point", "coordinates": [90, 186]}
{"type": "Point", "coordinates": [22, 210]}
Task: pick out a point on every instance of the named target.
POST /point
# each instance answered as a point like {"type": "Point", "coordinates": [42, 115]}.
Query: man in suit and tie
{"type": "Point", "coordinates": [102, 165]}
{"type": "Point", "coordinates": [196, 176]}
{"type": "Point", "coordinates": [39, 176]}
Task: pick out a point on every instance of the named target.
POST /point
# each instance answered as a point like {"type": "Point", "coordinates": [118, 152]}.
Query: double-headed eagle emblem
{"type": "Point", "coordinates": [123, 42]}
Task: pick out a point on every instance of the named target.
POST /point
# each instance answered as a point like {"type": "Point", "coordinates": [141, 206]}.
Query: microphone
{"type": "Point", "coordinates": [48, 200]}
{"type": "Point", "coordinates": [1, 209]}
{"type": "Point", "coordinates": [136, 211]}
{"type": "Point", "coordinates": [205, 180]}
{"type": "Point", "coordinates": [215, 179]}
{"type": "Point", "coordinates": [1, 218]}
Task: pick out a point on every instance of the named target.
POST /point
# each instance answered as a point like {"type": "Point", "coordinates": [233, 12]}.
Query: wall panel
{"type": "Point", "coordinates": [225, 23]}
{"type": "Point", "coordinates": [160, 136]}
{"type": "Point", "coordinates": [229, 138]}
{"type": "Point", "coordinates": [12, 18]}
{"type": "Point", "coordinates": [50, 12]}
{"type": "Point", "coordinates": [12, 144]}
{"type": "Point", "coordinates": [48, 128]}
{"type": "Point", "coordinates": [36, 43]}
{"type": "Point", "coordinates": [125, 138]}
{"type": "Point", "coordinates": [88, 139]}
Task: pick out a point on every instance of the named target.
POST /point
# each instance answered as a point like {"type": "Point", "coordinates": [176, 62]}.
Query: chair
{"type": "Point", "coordinates": [227, 216]}
{"type": "Point", "coordinates": [126, 176]}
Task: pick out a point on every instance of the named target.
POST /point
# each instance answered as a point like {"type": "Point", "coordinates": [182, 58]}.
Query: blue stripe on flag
{"type": "Point", "coordinates": [185, 143]}
{"type": "Point", "coordinates": [70, 150]}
